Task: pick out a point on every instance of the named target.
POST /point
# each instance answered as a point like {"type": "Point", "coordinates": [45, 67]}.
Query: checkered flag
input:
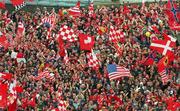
{"type": "Point", "coordinates": [67, 34]}
{"type": "Point", "coordinates": [114, 35]}
{"type": "Point", "coordinates": [92, 60]}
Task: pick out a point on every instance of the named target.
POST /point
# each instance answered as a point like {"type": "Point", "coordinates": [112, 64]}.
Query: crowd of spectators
{"type": "Point", "coordinates": [82, 87]}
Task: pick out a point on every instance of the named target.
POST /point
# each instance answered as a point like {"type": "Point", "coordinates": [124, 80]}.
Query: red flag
{"type": "Point", "coordinates": [92, 60]}
{"type": "Point", "coordinates": [3, 41]}
{"type": "Point", "coordinates": [32, 102]}
{"type": "Point", "coordinates": [21, 28]}
{"type": "Point", "coordinates": [75, 11]}
{"type": "Point", "coordinates": [2, 5]}
{"type": "Point", "coordinates": [66, 58]}
{"type": "Point", "coordinates": [86, 42]}
{"type": "Point", "coordinates": [162, 64]}
{"type": "Point", "coordinates": [155, 29]}
{"type": "Point", "coordinates": [3, 95]}
{"type": "Point", "coordinates": [67, 33]}
{"type": "Point", "coordinates": [114, 35]}
{"type": "Point", "coordinates": [173, 13]}
{"type": "Point", "coordinates": [17, 2]}
{"type": "Point", "coordinates": [13, 106]}
{"type": "Point", "coordinates": [162, 46]}
{"type": "Point", "coordinates": [173, 25]}
{"type": "Point", "coordinates": [126, 10]}
{"type": "Point", "coordinates": [168, 37]}
{"type": "Point", "coordinates": [61, 46]}
{"type": "Point", "coordinates": [6, 76]}
{"type": "Point", "coordinates": [119, 50]}
{"type": "Point", "coordinates": [18, 89]}
{"type": "Point", "coordinates": [91, 9]}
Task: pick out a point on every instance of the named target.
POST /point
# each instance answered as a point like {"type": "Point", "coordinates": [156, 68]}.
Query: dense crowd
{"type": "Point", "coordinates": [82, 87]}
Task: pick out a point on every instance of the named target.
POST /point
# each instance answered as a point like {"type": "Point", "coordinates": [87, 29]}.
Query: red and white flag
{"type": "Point", "coordinates": [169, 37]}
{"type": "Point", "coordinates": [66, 58]}
{"type": "Point", "coordinates": [67, 33]}
{"type": "Point", "coordinates": [174, 26]}
{"type": "Point", "coordinates": [61, 46]}
{"type": "Point", "coordinates": [2, 5]}
{"type": "Point", "coordinates": [3, 95]}
{"type": "Point", "coordinates": [91, 9]}
{"type": "Point", "coordinates": [75, 11]}
{"type": "Point", "coordinates": [112, 34]}
{"type": "Point", "coordinates": [46, 74]}
{"type": "Point", "coordinates": [18, 4]}
{"type": "Point", "coordinates": [86, 41]}
{"type": "Point", "coordinates": [162, 46]}
{"type": "Point", "coordinates": [162, 64]}
{"type": "Point", "coordinates": [6, 76]}
{"type": "Point", "coordinates": [62, 105]}
{"type": "Point", "coordinates": [92, 60]}
{"type": "Point", "coordinates": [50, 22]}
{"type": "Point", "coordinates": [21, 29]}
{"type": "Point", "coordinates": [12, 93]}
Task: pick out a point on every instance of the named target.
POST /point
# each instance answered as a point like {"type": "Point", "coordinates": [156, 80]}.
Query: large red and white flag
{"type": "Point", "coordinates": [92, 60]}
{"type": "Point", "coordinates": [3, 95]}
{"type": "Point", "coordinates": [68, 34]}
{"type": "Point", "coordinates": [86, 41]}
{"type": "Point", "coordinates": [162, 46]}
{"type": "Point", "coordinates": [91, 9]}
{"type": "Point", "coordinates": [75, 11]}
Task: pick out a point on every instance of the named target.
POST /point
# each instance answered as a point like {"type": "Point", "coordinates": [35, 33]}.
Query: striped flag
{"type": "Point", "coordinates": [66, 58]}
{"type": "Point", "coordinates": [49, 21]}
{"type": "Point", "coordinates": [162, 65]}
{"type": "Point", "coordinates": [115, 72]}
{"type": "Point", "coordinates": [91, 9]}
{"type": "Point", "coordinates": [164, 77]}
{"type": "Point", "coordinates": [43, 74]}
{"type": "Point", "coordinates": [75, 11]}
